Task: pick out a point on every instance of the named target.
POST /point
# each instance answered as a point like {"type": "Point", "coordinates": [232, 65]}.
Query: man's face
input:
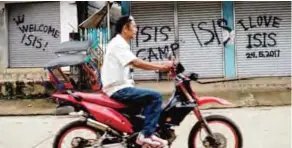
{"type": "Point", "coordinates": [131, 30]}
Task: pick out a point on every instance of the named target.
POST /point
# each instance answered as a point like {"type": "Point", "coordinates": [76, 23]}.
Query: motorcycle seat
{"type": "Point", "coordinates": [100, 99]}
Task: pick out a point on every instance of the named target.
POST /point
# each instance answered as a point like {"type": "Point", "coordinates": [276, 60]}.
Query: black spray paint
{"type": "Point", "coordinates": [221, 23]}
{"type": "Point", "coordinates": [261, 39]}
{"type": "Point", "coordinates": [34, 41]}
{"type": "Point", "coordinates": [157, 53]}
{"type": "Point", "coordinates": [154, 34]}
{"type": "Point", "coordinates": [148, 32]}
{"type": "Point", "coordinates": [29, 39]}
{"type": "Point", "coordinates": [40, 28]}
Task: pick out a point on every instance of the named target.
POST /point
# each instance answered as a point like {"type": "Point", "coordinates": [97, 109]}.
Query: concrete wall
{"type": "Point", "coordinates": [36, 85]}
{"type": "Point", "coordinates": [68, 18]}
{"type": "Point", "coordinates": [69, 23]}
{"type": "Point", "coordinates": [24, 85]}
{"type": "Point", "coordinates": [3, 37]}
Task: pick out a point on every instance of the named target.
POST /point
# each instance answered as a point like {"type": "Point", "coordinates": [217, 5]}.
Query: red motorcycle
{"type": "Point", "coordinates": [116, 125]}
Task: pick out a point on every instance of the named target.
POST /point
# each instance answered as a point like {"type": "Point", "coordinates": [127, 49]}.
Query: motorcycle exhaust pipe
{"type": "Point", "coordinates": [101, 126]}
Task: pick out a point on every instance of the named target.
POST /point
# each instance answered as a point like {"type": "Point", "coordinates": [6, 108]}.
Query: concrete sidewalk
{"type": "Point", "coordinates": [270, 91]}
{"type": "Point", "coordinates": [247, 84]}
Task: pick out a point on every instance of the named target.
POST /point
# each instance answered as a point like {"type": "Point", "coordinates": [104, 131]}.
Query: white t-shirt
{"type": "Point", "coordinates": [115, 68]}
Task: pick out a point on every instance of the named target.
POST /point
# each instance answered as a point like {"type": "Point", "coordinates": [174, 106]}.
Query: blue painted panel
{"type": "Point", "coordinates": [229, 48]}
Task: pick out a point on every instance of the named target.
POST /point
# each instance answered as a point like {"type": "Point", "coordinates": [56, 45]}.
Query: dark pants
{"type": "Point", "coordinates": [149, 99]}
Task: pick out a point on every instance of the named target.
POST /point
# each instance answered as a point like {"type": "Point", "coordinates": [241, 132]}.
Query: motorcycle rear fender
{"type": "Point", "coordinates": [65, 97]}
{"type": "Point", "coordinates": [102, 114]}
{"type": "Point", "coordinates": [109, 117]}
{"type": "Point", "coordinates": [206, 100]}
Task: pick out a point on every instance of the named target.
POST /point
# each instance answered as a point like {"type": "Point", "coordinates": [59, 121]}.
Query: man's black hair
{"type": "Point", "coordinates": [122, 21]}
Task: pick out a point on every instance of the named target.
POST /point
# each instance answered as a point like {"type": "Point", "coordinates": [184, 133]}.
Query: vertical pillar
{"type": "Point", "coordinates": [2, 37]}
{"type": "Point", "coordinates": [108, 22]}
{"type": "Point", "coordinates": [228, 38]}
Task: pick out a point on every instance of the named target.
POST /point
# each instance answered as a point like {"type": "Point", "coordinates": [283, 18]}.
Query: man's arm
{"type": "Point", "coordinates": [126, 57]}
{"type": "Point", "coordinates": [148, 65]}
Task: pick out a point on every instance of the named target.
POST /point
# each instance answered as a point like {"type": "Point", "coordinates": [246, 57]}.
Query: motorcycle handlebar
{"type": "Point", "coordinates": [195, 78]}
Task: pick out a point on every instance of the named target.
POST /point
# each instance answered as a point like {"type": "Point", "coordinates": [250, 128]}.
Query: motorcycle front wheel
{"type": "Point", "coordinates": [224, 134]}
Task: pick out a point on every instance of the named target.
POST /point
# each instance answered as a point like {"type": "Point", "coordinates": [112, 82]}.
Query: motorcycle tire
{"type": "Point", "coordinates": [68, 127]}
{"type": "Point", "coordinates": [196, 128]}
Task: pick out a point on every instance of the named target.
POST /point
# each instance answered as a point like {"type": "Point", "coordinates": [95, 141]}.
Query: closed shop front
{"type": "Point", "coordinates": [33, 32]}
{"type": "Point", "coordinates": [263, 38]}
{"type": "Point", "coordinates": [259, 44]}
{"type": "Point", "coordinates": [155, 35]}
{"type": "Point", "coordinates": [190, 30]}
{"type": "Point", "coordinates": [200, 37]}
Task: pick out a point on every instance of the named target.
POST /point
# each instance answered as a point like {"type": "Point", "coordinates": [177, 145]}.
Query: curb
{"type": "Point", "coordinates": [23, 115]}
{"type": "Point", "coordinates": [201, 108]}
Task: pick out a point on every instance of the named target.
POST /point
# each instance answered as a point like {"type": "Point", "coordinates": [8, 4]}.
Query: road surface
{"type": "Point", "coordinates": [267, 127]}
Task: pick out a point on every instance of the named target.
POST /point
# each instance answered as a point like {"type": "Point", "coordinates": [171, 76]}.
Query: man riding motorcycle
{"type": "Point", "coordinates": [118, 85]}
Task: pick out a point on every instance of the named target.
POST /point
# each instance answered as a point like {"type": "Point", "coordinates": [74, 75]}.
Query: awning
{"type": "Point", "coordinates": [94, 20]}
{"type": "Point", "coordinates": [66, 60]}
{"type": "Point", "coordinates": [73, 46]}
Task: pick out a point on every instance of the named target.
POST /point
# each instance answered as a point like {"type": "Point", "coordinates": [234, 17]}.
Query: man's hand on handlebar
{"type": "Point", "coordinates": [166, 66]}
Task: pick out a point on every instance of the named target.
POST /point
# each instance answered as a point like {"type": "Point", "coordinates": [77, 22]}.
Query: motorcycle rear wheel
{"type": "Point", "coordinates": [79, 124]}
{"type": "Point", "coordinates": [216, 118]}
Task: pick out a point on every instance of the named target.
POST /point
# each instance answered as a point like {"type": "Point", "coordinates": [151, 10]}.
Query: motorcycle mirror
{"type": "Point", "coordinates": [194, 76]}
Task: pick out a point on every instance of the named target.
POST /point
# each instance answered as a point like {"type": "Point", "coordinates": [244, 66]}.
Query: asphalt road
{"type": "Point", "coordinates": [261, 128]}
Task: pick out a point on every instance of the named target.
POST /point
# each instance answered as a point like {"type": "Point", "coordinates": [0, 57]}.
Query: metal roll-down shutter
{"type": "Point", "coordinates": [200, 38]}
{"type": "Point", "coordinates": [263, 38]}
{"type": "Point", "coordinates": [34, 33]}
{"type": "Point", "coordinates": [155, 21]}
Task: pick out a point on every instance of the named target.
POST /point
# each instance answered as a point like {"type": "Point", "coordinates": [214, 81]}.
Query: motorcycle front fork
{"type": "Point", "coordinates": [203, 121]}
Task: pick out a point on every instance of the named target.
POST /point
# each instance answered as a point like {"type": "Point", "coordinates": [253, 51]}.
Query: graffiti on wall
{"type": "Point", "coordinates": [266, 39]}
{"type": "Point", "coordinates": [214, 36]}
{"type": "Point", "coordinates": [27, 30]}
{"type": "Point", "coordinates": [154, 34]}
